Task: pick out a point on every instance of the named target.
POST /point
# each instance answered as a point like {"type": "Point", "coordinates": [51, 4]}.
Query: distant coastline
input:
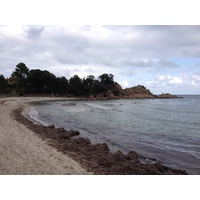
{"type": "Point", "coordinates": [36, 82]}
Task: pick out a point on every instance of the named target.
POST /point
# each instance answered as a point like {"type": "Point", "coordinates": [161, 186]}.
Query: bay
{"type": "Point", "coordinates": [165, 129]}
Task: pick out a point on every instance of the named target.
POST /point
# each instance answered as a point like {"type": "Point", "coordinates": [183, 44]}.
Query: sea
{"type": "Point", "coordinates": [165, 129]}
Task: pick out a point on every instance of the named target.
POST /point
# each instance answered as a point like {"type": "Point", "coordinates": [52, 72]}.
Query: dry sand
{"type": "Point", "coordinates": [23, 152]}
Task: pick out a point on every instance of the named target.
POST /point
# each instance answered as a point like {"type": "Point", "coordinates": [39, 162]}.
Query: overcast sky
{"type": "Point", "coordinates": [162, 58]}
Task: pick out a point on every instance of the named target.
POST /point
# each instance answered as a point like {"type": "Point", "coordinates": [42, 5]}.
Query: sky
{"type": "Point", "coordinates": [148, 43]}
{"type": "Point", "coordinates": [162, 58]}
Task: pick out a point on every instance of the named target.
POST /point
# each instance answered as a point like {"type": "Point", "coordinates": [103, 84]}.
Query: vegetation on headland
{"type": "Point", "coordinates": [24, 81]}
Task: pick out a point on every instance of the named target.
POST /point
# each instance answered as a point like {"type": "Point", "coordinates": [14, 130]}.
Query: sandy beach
{"type": "Point", "coordinates": [23, 152]}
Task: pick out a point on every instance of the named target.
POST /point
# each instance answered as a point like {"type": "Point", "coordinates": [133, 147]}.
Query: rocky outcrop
{"type": "Point", "coordinates": [137, 92]}
{"type": "Point", "coordinates": [106, 95]}
{"type": "Point", "coordinates": [115, 91]}
{"type": "Point", "coordinates": [167, 96]}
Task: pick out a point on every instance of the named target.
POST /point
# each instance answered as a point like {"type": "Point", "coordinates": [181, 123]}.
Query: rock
{"type": "Point", "coordinates": [73, 133]}
{"type": "Point", "coordinates": [115, 91]}
{"type": "Point", "coordinates": [64, 137]}
{"type": "Point", "coordinates": [62, 130]}
{"type": "Point", "coordinates": [137, 92]}
{"type": "Point", "coordinates": [51, 126]}
{"type": "Point", "coordinates": [118, 156]}
{"type": "Point", "coordinates": [167, 96]}
{"type": "Point", "coordinates": [132, 156]}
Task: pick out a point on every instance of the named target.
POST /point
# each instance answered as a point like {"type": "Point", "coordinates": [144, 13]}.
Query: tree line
{"type": "Point", "coordinates": [35, 81]}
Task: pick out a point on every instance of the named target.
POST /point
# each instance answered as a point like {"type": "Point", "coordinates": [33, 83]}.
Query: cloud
{"type": "Point", "coordinates": [191, 83]}
{"type": "Point", "coordinates": [167, 63]}
{"type": "Point", "coordinates": [196, 79]}
{"type": "Point", "coordinates": [33, 31]}
{"type": "Point", "coordinates": [137, 63]}
{"type": "Point", "coordinates": [124, 84]}
{"type": "Point", "coordinates": [169, 80]}
{"type": "Point", "coordinates": [128, 52]}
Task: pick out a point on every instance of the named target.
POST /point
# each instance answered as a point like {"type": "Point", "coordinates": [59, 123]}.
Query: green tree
{"type": "Point", "coordinates": [88, 84]}
{"type": "Point", "coordinates": [106, 78]}
{"type": "Point", "coordinates": [21, 72]}
{"type": "Point", "coordinates": [75, 85]}
{"type": "Point", "coordinates": [90, 80]}
{"type": "Point", "coordinates": [99, 87]}
{"type": "Point", "coordinates": [20, 75]}
{"type": "Point", "coordinates": [3, 85]}
{"type": "Point", "coordinates": [62, 85]}
{"type": "Point", "coordinates": [42, 81]}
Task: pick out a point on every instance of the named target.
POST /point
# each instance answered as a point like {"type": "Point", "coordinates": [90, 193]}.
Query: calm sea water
{"type": "Point", "coordinates": [165, 129]}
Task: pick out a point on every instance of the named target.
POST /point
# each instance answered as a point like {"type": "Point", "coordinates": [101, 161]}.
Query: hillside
{"type": "Point", "coordinates": [137, 92]}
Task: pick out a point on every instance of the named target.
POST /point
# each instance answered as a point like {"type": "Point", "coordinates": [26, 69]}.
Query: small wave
{"type": "Point", "coordinates": [69, 104]}
{"type": "Point", "coordinates": [109, 104]}
{"type": "Point", "coordinates": [33, 114]}
{"type": "Point", "coordinates": [97, 106]}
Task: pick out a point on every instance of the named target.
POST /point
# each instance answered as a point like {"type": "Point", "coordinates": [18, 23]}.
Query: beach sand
{"type": "Point", "coordinates": [23, 152]}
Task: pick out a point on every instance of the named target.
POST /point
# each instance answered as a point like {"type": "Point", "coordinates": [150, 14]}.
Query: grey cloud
{"type": "Point", "coordinates": [194, 52]}
{"type": "Point", "coordinates": [33, 31]}
{"type": "Point", "coordinates": [124, 46]}
{"type": "Point", "coordinates": [151, 42]}
{"type": "Point", "coordinates": [164, 41]}
{"type": "Point", "coordinates": [139, 64]}
{"type": "Point", "coordinates": [167, 63]}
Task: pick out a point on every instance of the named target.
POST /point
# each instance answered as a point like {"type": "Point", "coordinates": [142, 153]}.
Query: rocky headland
{"type": "Point", "coordinates": [115, 91]}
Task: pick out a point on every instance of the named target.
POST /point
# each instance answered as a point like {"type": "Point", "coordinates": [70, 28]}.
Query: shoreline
{"type": "Point", "coordinates": [23, 152]}
{"type": "Point", "coordinates": [94, 158]}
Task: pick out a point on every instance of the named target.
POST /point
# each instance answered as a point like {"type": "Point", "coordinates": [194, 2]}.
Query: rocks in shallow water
{"type": "Point", "coordinates": [73, 133]}
{"type": "Point", "coordinates": [132, 156]}
{"type": "Point", "coordinates": [62, 130]}
{"type": "Point", "coordinates": [51, 126]}
{"type": "Point", "coordinates": [101, 147]}
{"type": "Point", "coordinates": [118, 156]}
{"type": "Point", "coordinates": [159, 169]}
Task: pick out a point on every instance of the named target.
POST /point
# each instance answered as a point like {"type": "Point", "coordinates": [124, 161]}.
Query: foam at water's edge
{"type": "Point", "coordinates": [33, 114]}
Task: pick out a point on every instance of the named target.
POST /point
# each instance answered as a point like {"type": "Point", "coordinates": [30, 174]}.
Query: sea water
{"type": "Point", "coordinates": [165, 129]}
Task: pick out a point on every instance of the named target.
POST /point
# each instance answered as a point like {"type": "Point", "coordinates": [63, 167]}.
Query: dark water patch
{"type": "Point", "coordinates": [69, 104]}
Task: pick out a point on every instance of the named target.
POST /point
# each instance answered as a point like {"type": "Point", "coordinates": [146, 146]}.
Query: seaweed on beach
{"type": "Point", "coordinates": [96, 158]}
